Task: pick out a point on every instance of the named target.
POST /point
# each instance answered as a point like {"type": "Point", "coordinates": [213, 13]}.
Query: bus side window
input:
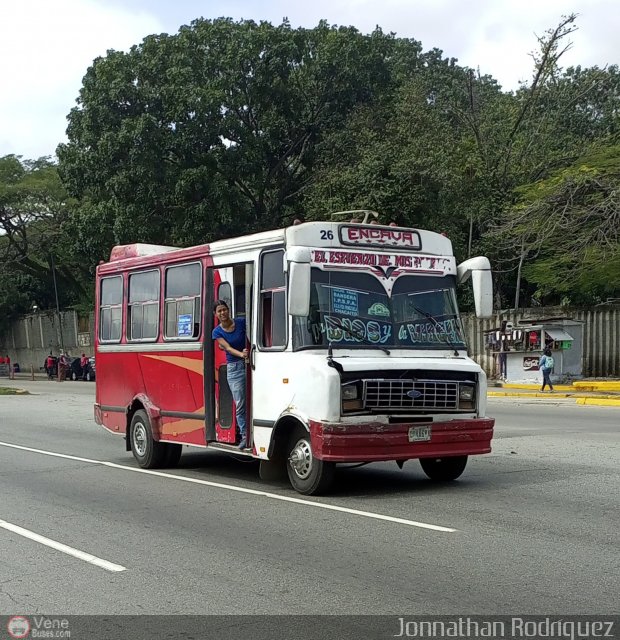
{"type": "Point", "coordinates": [272, 300]}
{"type": "Point", "coordinates": [143, 305]}
{"type": "Point", "coordinates": [110, 309]}
{"type": "Point", "coordinates": [266, 314]}
{"type": "Point", "coordinates": [183, 301]}
{"type": "Point", "coordinates": [224, 292]}
{"type": "Point", "coordinates": [240, 300]}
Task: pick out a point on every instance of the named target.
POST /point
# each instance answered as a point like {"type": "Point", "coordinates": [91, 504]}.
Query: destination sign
{"type": "Point", "coordinates": [375, 236]}
{"type": "Point", "coordinates": [384, 264]}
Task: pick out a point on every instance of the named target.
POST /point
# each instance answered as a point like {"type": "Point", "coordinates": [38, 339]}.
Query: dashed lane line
{"type": "Point", "coordinates": [59, 546]}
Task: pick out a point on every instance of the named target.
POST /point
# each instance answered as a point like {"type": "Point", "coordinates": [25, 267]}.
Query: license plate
{"type": "Point", "coordinates": [419, 434]}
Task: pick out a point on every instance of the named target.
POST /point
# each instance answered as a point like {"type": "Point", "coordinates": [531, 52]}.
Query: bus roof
{"type": "Point", "coordinates": [137, 250]}
{"type": "Point", "coordinates": [311, 234]}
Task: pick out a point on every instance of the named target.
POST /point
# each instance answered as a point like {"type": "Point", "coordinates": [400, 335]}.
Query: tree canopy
{"type": "Point", "coordinates": [213, 131]}
{"type": "Point", "coordinates": [35, 244]}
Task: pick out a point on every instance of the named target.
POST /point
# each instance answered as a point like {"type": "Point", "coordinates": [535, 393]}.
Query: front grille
{"type": "Point", "coordinates": [423, 394]}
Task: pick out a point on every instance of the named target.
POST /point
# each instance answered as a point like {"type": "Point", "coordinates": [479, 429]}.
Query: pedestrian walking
{"type": "Point", "coordinates": [545, 365]}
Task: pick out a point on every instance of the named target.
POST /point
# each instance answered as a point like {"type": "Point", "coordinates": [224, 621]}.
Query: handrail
{"type": "Point", "coordinates": [366, 212]}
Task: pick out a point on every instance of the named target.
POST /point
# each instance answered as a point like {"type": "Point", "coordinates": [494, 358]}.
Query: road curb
{"type": "Point", "coordinates": [538, 394]}
{"type": "Point", "coordinates": [602, 402]}
{"type": "Point", "coordinates": [603, 385]}
{"type": "Point", "coordinates": [580, 398]}
{"type": "Point", "coordinates": [535, 387]}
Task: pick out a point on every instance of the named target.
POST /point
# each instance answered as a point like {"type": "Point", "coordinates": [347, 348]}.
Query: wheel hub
{"type": "Point", "coordinates": [300, 459]}
{"type": "Point", "coordinates": [139, 439]}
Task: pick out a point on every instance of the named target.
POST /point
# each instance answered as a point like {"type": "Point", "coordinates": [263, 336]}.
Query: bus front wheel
{"type": "Point", "coordinates": [148, 453]}
{"type": "Point", "coordinates": [308, 475]}
{"type": "Point", "coordinates": [444, 469]}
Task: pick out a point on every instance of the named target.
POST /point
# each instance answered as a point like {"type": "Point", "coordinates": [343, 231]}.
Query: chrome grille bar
{"type": "Point", "coordinates": [410, 394]}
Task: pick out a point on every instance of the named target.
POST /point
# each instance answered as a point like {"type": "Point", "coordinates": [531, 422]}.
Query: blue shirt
{"type": "Point", "coordinates": [235, 338]}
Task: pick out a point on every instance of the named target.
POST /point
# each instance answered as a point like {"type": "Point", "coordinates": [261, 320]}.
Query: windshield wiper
{"type": "Point", "coordinates": [432, 318]}
{"type": "Point", "coordinates": [355, 334]}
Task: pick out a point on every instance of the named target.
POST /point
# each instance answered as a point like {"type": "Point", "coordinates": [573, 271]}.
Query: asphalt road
{"type": "Point", "coordinates": [530, 529]}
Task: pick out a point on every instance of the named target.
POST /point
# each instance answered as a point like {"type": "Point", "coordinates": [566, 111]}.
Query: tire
{"type": "Point", "coordinates": [148, 453]}
{"type": "Point", "coordinates": [173, 454]}
{"type": "Point", "coordinates": [444, 469]}
{"type": "Point", "coordinates": [74, 376]}
{"type": "Point", "coordinates": [307, 474]}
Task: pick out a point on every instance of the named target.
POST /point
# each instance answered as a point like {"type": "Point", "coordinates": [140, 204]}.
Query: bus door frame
{"type": "Point", "coordinates": [213, 430]}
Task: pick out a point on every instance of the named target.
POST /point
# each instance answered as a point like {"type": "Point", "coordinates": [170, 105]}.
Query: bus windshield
{"type": "Point", "coordinates": [353, 309]}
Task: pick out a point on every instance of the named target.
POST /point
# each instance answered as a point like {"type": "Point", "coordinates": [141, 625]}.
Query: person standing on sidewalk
{"type": "Point", "coordinates": [63, 366]}
{"type": "Point", "coordinates": [84, 365]}
{"type": "Point", "coordinates": [545, 364]}
{"type": "Point", "coordinates": [50, 365]}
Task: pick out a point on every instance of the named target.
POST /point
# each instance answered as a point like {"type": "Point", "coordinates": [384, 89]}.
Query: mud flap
{"type": "Point", "coordinates": [273, 470]}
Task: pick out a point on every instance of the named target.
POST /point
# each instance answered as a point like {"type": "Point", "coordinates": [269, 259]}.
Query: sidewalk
{"type": "Point", "coordinates": [592, 392]}
{"type": "Point", "coordinates": [41, 385]}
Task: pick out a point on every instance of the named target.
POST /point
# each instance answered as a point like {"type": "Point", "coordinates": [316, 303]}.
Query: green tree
{"type": "Point", "coordinates": [34, 209]}
{"type": "Point", "coordinates": [569, 227]}
{"type": "Point", "coordinates": [211, 132]}
{"type": "Point", "coordinates": [418, 156]}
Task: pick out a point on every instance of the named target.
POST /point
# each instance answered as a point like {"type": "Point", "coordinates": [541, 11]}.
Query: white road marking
{"type": "Point", "coordinates": [59, 546]}
{"type": "Point", "coordinates": [254, 492]}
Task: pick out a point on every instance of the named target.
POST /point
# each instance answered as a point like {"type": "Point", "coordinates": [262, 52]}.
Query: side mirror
{"type": "Point", "coordinates": [479, 269]}
{"type": "Point", "coordinates": [299, 288]}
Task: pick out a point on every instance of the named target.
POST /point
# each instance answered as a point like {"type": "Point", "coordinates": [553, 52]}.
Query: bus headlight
{"type": "Point", "coordinates": [351, 397]}
{"type": "Point", "coordinates": [467, 396]}
{"type": "Point", "coordinates": [349, 392]}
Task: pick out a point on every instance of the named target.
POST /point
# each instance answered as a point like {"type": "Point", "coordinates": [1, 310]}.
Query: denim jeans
{"type": "Point", "coordinates": [546, 379]}
{"type": "Point", "coordinates": [235, 374]}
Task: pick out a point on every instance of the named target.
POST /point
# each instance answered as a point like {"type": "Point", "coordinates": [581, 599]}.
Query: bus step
{"type": "Point", "coordinates": [231, 448]}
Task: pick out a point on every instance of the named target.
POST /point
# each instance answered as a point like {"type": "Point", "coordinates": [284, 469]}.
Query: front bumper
{"type": "Point", "coordinates": [373, 442]}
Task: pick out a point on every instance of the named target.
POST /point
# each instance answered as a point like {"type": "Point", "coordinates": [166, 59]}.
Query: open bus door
{"type": "Point", "coordinates": [233, 285]}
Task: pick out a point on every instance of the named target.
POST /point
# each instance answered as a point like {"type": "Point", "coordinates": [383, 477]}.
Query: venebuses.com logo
{"type": "Point", "coordinates": [18, 627]}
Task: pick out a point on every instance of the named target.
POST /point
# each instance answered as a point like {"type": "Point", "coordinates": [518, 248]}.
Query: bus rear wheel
{"type": "Point", "coordinates": [444, 469]}
{"type": "Point", "coordinates": [308, 475]}
{"type": "Point", "coordinates": [148, 453]}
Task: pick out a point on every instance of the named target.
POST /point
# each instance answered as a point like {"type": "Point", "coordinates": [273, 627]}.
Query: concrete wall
{"type": "Point", "coordinates": [32, 337]}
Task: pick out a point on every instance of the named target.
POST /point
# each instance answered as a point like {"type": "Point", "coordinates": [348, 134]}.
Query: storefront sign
{"type": "Point", "coordinates": [530, 364]}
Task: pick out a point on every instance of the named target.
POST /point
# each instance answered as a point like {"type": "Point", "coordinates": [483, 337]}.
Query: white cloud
{"type": "Point", "coordinates": [45, 50]}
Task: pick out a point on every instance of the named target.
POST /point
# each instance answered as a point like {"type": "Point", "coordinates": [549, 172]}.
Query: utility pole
{"type": "Point", "coordinates": [62, 341]}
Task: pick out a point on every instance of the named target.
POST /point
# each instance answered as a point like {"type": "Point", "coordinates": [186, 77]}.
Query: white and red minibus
{"type": "Point", "coordinates": [357, 351]}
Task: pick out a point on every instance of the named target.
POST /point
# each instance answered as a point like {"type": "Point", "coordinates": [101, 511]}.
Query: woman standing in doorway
{"type": "Point", "coordinates": [231, 336]}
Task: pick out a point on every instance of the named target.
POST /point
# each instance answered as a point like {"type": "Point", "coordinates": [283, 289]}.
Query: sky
{"type": "Point", "coordinates": [46, 46]}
